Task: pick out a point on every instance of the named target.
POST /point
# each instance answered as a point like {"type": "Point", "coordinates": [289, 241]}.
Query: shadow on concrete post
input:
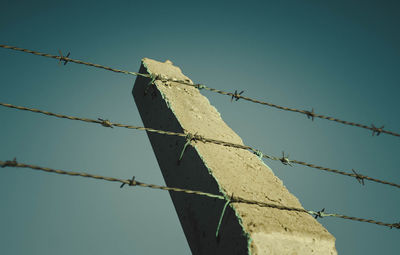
{"type": "Point", "coordinates": [245, 229]}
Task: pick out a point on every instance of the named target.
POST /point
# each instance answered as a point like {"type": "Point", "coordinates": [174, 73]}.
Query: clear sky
{"type": "Point", "coordinates": [341, 58]}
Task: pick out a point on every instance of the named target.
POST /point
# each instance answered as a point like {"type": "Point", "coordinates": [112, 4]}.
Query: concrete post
{"type": "Point", "coordinates": [245, 228]}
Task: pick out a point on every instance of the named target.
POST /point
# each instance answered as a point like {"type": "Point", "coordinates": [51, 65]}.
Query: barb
{"type": "Point", "coordinates": [310, 114]}
{"type": "Point", "coordinates": [67, 59]}
{"type": "Point", "coordinates": [376, 130]}
{"type": "Point", "coordinates": [133, 182]}
{"type": "Point", "coordinates": [319, 214]}
{"type": "Point", "coordinates": [235, 95]}
{"type": "Point", "coordinates": [105, 123]}
{"type": "Point", "coordinates": [10, 163]}
{"type": "Point", "coordinates": [359, 177]}
{"type": "Point", "coordinates": [62, 58]}
{"type": "Point", "coordinates": [284, 159]}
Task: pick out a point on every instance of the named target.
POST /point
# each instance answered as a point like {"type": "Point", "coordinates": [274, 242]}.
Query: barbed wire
{"type": "Point", "coordinates": [131, 182]}
{"type": "Point", "coordinates": [232, 199]}
{"type": "Point", "coordinates": [310, 114]}
{"type": "Point", "coordinates": [103, 122]}
{"type": "Point", "coordinates": [195, 137]}
{"type": "Point", "coordinates": [67, 59]}
{"type": "Point", "coordinates": [359, 177]}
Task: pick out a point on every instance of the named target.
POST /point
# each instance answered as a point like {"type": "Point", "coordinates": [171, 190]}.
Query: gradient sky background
{"type": "Point", "coordinates": [340, 57]}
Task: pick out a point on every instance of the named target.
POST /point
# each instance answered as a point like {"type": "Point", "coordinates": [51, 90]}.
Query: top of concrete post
{"type": "Point", "coordinates": [235, 171]}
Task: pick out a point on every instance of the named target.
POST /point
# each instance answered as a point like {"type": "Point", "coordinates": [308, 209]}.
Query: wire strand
{"type": "Point", "coordinates": [233, 199]}
{"type": "Point", "coordinates": [62, 58]}
{"type": "Point", "coordinates": [284, 160]}
{"type": "Point", "coordinates": [237, 96]}
{"type": "Point", "coordinates": [102, 122]}
{"type": "Point", "coordinates": [311, 114]}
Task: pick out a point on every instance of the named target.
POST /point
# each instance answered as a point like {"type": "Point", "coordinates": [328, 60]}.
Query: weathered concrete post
{"type": "Point", "coordinates": [245, 229]}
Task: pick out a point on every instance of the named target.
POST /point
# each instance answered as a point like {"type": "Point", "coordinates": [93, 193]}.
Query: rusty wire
{"type": "Point", "coordinates": [236, 96]}
{"type": "Point", "coordinates": [132, 182]}
{"type": "Point", "coordinates": [67, 59]}
{"type": "Point", "coordinates": [309, 114]}
{"type": "Point", "coordinates": [103, 122]}
{"type": "Point", "coordinates": [284, 159]}
{"type": "Point", "coordinates": [359, 177]}
{"type": "Point", "coordinates": [232, 199]}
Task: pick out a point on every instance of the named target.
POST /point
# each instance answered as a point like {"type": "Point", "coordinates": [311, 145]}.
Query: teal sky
{"type": "Point", "coordinates": [341, 58]}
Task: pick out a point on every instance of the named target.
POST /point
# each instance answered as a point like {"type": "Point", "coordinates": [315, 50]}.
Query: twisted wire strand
{"type": "Point", "coordinates": [390, 225]}
{"type": "Point", "coordinates": [358, 176]}
{"type": "Point", "coordinates": [233, 199]}
{"type": "Point", "coordinates": [110, 179]}
{"type": "Point", "coordinates": [283, 159]}
{"type": "Point", "coordinates": [62, 58]}
{"type": "Point", "coordinates": [202, 86]}
{"type": "Point", "coordinates": [311, 114]}
{"type": "Point", "coordinates": [105, 123]}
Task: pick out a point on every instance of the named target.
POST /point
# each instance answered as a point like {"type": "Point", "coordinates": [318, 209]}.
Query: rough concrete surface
{"type": "Point", "coordinates": [245, 229]}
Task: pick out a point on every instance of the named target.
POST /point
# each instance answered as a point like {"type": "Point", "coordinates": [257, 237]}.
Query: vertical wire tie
{"type": "Point", "coordinates": [153, 77]}
{"type": "Point", "coordinates": [189, 138]}
{"type": "Point", "coordinates": [228, 201]}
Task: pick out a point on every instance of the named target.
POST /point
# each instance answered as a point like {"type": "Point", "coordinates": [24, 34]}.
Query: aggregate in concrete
{"type": "Point", "coordinates": [245, 229]}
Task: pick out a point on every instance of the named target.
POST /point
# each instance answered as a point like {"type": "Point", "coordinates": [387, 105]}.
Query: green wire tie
{"type": "Point", "coordinates": [259, 154]}
{"type": "Point", "coordinates": [200, 86]}
{"type": "Point", "coordinates": [220, 218]}
{"type": "Point", "coordinates": [153, 79]}
{"type": "Point", "coordinates": [189, 138]}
